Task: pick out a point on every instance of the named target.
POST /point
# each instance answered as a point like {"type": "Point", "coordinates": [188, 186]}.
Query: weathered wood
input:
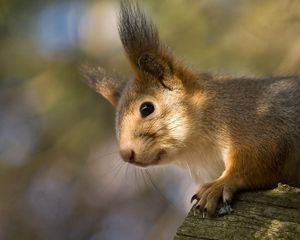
{"type": "Point", "coordinates": [273, 214]}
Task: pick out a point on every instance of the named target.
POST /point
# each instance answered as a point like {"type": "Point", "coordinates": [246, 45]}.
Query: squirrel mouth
{"type": "Point", "coordinates": [155, 161]}
{"type": "Point", "coordinates": [158, 157]}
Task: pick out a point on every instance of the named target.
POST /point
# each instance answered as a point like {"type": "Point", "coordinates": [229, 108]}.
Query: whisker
{"type": "Point", "coordinates": [126, 169]}
{"type": "Point", "coordinates": [120, 165]}
{"type": "Point", "coordinates": [145, 180]}
{"type": "Point", "coordinates": [140, 171]}
{"type": "Point", "coordinates": [137, 180]}
{"type": "Point", "coordinates": [108, 154]}
{"type": "Point", "coordinates": [160, 193]}
{"type": "Point", "coordinates": [115, 166]}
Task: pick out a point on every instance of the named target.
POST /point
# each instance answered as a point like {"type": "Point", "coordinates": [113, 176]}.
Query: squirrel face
{"type": "Point", "coordinates": [151, 122]}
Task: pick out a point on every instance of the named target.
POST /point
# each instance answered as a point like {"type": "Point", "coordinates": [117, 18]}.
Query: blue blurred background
{"type": "Point", "coordinates": [60, 173]}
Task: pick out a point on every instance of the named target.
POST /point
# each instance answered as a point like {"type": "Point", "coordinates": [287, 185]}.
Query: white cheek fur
{"type": "Point", "coordinates": [177, 127]}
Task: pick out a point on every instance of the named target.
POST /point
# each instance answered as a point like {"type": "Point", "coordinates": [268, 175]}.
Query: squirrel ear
{"type": "Point", "coordinates": [149, 64]}
{"type": "Point", "coordinates": [156, 67]}
{"type": "Point", "coordinates": [109, 87]}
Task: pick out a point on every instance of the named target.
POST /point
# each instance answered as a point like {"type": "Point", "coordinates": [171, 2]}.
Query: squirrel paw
{"type": "Point", "coordinates": [208, 196]}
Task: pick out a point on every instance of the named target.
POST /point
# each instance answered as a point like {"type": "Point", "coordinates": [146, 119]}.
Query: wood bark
{"type": "Point", "coordinates": [273, 214]}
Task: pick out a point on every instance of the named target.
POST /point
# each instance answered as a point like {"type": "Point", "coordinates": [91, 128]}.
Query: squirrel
{"type": "Point", "coordinates": [236, 134]}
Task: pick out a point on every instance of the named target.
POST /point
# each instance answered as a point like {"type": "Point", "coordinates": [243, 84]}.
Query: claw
{"type": "Point", "coordinates": [194, 212]}
{"type": "Point", "coordinates": [204, 213]}
{"type": "Point", "coordinates": [197, 210]}
{"type": "Point", "coordinates": [195, 197]}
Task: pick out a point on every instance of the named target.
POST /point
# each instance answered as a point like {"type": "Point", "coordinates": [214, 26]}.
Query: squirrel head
{"type": "Point", "coordinates": [154, 109]}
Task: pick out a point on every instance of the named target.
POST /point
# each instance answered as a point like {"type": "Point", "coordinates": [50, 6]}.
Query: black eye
{"type": "Point", "coordinates": [146, 109]}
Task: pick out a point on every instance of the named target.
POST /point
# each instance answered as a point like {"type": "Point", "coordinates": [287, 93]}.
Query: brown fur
{"type": "Point", "coordinates": [235, 133]}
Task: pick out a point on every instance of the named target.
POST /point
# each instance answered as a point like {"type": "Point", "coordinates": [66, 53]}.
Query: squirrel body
{"type": "Point", "coordinates": [232, 133]}
{"type": "Point", "coordinates": [259, 119]}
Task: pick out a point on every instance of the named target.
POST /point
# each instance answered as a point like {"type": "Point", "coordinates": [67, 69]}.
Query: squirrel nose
{"type": "Point", "coordinates": [128, 155]}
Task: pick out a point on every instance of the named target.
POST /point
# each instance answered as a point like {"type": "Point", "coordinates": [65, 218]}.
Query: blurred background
{"type": "Point", "coordinates": [60, 173]}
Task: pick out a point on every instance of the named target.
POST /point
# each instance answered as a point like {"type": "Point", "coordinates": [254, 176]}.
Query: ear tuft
{"type": "Point", "coordinates": [138, 34]}
{"type": "Point", "coordinates": [140, 40]}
